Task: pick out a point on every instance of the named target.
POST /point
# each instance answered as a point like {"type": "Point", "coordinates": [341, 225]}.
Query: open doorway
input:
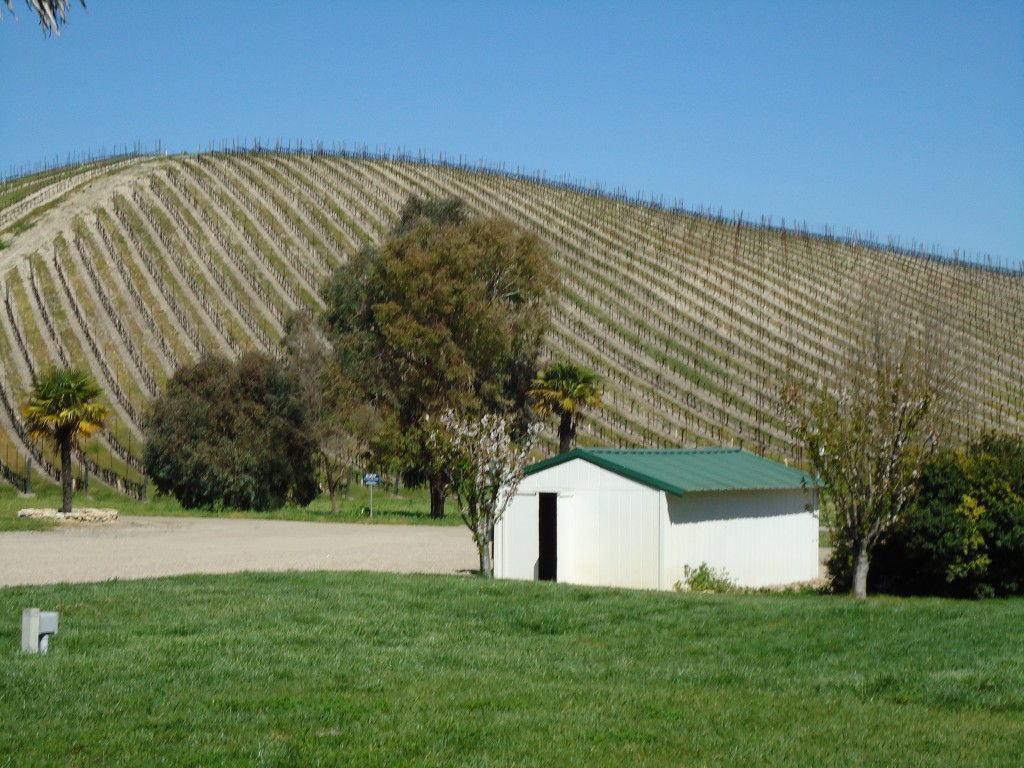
{"type": "Point", "coordinates": [547, 525]}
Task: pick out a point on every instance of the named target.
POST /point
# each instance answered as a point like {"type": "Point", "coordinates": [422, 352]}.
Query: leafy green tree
{"type": "Point", "coordinates": [449, 313]}
{"type": "Point", "coordinates": [231, 435]}
{"type": "Point", "coordinates": [566, 390]}
{"type": "Point", "coordinates": [62, 409]}
{"type": "Point", "coordinates": [439, 211]}
{"type": "Point", "coordinates": [964, 537]}
{"type": "Point", "coordinates": [867, 440]}
{"type": "Point", "coordinates": [341, 421]}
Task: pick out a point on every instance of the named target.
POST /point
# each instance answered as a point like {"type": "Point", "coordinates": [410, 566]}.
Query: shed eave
{"type": "Point", "coordinates": [600, 461]}
{"type": "Point", "coordinates": [765, 475]}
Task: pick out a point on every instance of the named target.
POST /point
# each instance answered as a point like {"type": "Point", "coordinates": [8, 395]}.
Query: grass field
{"type": "Point", "coordinates": [376, 669]}
{"type": "Point", "coordinates": [411, 506]}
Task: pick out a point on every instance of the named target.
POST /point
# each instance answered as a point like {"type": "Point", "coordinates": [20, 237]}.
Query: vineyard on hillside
{"type": "Point", "coordinates": [133, 266]}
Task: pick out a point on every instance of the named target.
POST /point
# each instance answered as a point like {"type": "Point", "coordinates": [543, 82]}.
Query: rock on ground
{"type": "Point", "coordinates": [84, 515]}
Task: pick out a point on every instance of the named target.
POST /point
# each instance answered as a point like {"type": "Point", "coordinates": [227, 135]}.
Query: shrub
{"type": "Point", "coordinates": [965, 535]}
{"type": "Point", "coordinates": [231, 435]}
{"type": "Point", "coordinates": [704, 578]}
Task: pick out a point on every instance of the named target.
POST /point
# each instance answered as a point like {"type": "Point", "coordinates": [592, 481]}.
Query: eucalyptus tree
{"type": "Point", "coordinates": [448, 313]}
{"type": "Point", "coordinates": [63, 409]}
{"type": "Point", "coordinates": [566, 390]}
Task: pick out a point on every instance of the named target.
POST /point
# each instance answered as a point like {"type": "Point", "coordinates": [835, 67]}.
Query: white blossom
{"type": "Point", "coordinates": [484, 464]}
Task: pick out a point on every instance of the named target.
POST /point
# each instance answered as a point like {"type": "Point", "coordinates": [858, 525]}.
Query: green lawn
{"type": "Point", "coordinates": [377, 669]}
{"type": "Point", "coordinates": [410, 506]}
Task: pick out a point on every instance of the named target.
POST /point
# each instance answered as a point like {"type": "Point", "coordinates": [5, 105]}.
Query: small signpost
{"type": "Point", "coordinates": [371, 479]}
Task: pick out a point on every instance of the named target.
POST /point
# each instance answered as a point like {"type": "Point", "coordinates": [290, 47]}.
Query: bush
{"type": "Point", "coordinates": [704, 578]}
{"type": "Point", "coordinates": [839, 566]}
{"type": "Point", "coordinates": [231, 435]}
{"type": "Point", "coordinates": [965, 535]}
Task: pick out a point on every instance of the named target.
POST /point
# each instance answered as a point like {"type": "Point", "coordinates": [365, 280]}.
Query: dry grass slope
{"type": "Point", "coordinates": [132, 266]}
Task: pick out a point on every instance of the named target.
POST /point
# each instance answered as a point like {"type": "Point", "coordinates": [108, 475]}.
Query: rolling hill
{"type": "Point", "coordinates": [134, 265]}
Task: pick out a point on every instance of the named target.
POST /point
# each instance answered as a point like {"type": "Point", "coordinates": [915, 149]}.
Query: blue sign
{"type": "Point", "coordinates": [371, 478]}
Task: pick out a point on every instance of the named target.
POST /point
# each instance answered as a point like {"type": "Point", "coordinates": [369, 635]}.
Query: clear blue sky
{"type": "Point", "coordinates": [892, 118]}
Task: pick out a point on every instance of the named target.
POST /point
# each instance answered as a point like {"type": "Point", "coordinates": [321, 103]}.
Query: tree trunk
{"type": "Point", "coordinates": [333, 480]}
{"type": "Point", "coordinates": [65, 476]}
{"type": "Point", "coordinates": [860, 572]}
{"type": "Point", "coordinates": [437, 497]}
{"type": "Point", "coordinates": [566, 433]}
{"type": "Point", "coordinates": [486, 567]}
{"type": "Point", "coordinates": [484, 548]}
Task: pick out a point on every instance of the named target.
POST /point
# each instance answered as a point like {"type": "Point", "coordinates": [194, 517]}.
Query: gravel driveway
{"type": "Point", "coordinates": [141, 547]}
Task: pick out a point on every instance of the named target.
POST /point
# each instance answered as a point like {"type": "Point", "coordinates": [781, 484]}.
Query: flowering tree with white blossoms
{"type": "Point", "coordinates": [484, 464]}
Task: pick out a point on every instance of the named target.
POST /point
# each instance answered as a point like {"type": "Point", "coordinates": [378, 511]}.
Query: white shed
{"type": "Point", "coordinates": [635, 518]}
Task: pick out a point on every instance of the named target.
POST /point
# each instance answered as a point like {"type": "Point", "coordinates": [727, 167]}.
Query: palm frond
{"type": "Point", "coordinates": [51, 13]}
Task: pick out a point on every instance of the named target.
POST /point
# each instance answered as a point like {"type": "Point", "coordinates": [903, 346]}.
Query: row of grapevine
{"type": "Point", "coordinates": [821, 360]}
{"type": "Point", "coordinates": [695, 320]}
{"type": "Point", "coordinates": [34, 192]}
{"type": "Point", "coordinates": [28, 310]}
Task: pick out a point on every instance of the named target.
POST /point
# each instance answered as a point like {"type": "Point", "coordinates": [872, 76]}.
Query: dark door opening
{"type": "Point", "coordinates": [547, 525]}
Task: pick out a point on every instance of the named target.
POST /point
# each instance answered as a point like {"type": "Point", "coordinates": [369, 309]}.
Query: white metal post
{"type": "Point", "coordinates": [30, 630]}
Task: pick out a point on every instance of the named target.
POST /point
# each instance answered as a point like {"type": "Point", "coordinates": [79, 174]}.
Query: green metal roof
{"type": "Point", "coordinates": [679, 471]}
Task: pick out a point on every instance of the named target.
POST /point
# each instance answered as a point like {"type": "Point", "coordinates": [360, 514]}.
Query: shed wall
{"type": "Point", "coordinates": [608, 528]}
{"type": "Point", "coordinates": [760, 538]}
{"type": "Point", "coordinates": [516, 548]}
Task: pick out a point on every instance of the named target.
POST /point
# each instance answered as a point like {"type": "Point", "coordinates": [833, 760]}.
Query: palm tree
{"type": "Point", "coordinates": [61, 409]}
{"type": "Point", "coordinates": [51, 12]}
{"type": "Point", "coordinates": [566, 390]}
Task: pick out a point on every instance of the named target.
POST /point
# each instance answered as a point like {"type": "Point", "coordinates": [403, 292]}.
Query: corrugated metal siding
{"type": "Point", "coordinates": [629, 533]}
{"type": "Point", "coordinates": [515, 540]}
{"type": "Point", "coordinates": [608, 528]}
{"type": "Point", "coordinates": [612, 539]}
{"type": "Point", "coordinates": [760, 538]}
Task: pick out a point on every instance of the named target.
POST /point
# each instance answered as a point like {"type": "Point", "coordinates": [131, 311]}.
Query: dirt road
{"type": "Point", "coordinates": [140, 547]}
